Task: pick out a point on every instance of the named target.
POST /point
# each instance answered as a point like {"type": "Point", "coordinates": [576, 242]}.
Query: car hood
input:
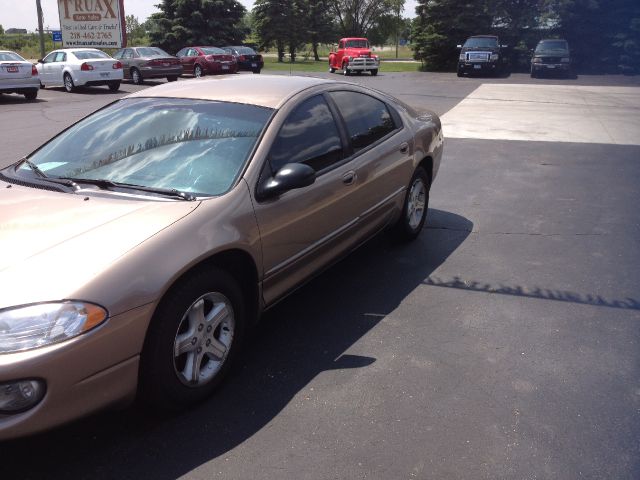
{"type": "Point", "coordinates": [356, 52]}
{"type": "Point", "coordinates": [53, 243]}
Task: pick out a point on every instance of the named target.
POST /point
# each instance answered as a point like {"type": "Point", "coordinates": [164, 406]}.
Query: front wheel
{"type": "Point", "coordinates": [374, 72]}
{"type": "Point", "coordinates": [332, 70]}
{"type": "Point", "coordinates": [345, 70]}
{"type": "Point", "coordinates": [136, 76]}
{"type": "Point", "coordinates": [192, 339]}
{"type": "Point", "coordinates": [197, 71]}
{"type": "Point", "coordinates": [68, 83]}
{"type": "Point", "coordinates": [114, 86]}
{"type": "Point", "coordinates": [416, 205]}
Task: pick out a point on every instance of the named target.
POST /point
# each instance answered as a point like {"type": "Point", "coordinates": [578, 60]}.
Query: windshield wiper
{"type": "Point", "coordinates": [67, 182]}
{"type": "Point", "coordinates": [109, 184]}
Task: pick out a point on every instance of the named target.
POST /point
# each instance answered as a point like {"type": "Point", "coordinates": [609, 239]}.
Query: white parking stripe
{"type": "Point", "coordinates": [550, 113]}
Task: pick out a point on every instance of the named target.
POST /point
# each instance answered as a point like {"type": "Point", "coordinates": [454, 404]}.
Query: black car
{"type": "Point", "coordinates": [247, 58]}
{"type": "Point", "coordinates": [551, 56]}
{"type": "Point", "coordinates": [482, 54]}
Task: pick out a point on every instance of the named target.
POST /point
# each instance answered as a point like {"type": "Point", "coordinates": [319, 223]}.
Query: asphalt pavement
{"type": "Point", "coordinates": [502, 344]}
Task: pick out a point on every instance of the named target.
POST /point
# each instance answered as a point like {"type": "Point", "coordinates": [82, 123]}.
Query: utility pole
{"type": "Point", "coordinates": [39, 7]}
{"type": "Point", "coordinates": [399, 3]}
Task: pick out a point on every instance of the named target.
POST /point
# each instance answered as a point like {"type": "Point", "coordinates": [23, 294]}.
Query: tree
{"type": "Point", "coordinates": [283, 23]}
{"type": "Point", "coordinates": [357, 17]}
{"type": "Point", "coordinates": [197, 22]}
{"type": "Point", "coordinates": [442, 24]}
{"type": "Point", "coordinates": [1, 30]}
{"type": "Point", "coordinates": [321, 26]}
{"type": "Point", "coordinates": [136, 32]}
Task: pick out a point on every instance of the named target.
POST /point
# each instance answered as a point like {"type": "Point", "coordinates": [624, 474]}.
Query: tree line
{"type": "Point", "coordinates": [604, 35]}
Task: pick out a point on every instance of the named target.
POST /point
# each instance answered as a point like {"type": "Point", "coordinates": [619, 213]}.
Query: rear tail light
{"type": "Point", "coordinates": [34, 70]}
{"type": "Point", "coordinates": [117, 66]}
{"type": "Point", "coordinates": [242, 58]}
{"type": "Point", "coordinates": [85, 67]}
{"type": "Point", "coordinates": [210, 58]}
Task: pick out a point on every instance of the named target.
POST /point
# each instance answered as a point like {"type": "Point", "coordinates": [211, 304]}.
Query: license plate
{"type": "Point", "coordinates": [225, 67]}
{"type": "Point", "coordinates": [254, 65]}
{"type": "Point", "coordinates": [12, 69]}
{"type": "Point", "coordinates": [477, 67]}
{"type": "Point", "coordinates": [104, 74]}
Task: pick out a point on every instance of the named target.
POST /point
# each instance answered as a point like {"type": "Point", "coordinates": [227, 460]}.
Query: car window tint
{"type": "Point", "coordinates": [309, 135]}
{"type": "Point", "coordinates": [128, 53]}
{"type": "Point", "coordinates": [89, 54]}
{"type": "Point", "coordinates": [367, 118]}
{"type": "Point", "coordinates": [118, 55]}
{"type": "Point", "coordinates": [61, 57]}
{"type": "Point", "coordinates": [181, 53]}
{"type": "Point", "coordinates": [213, 51]}
{"type": "Point", "coordinates": [190, 145]}
{"type": "Point", "coordinates": [50, 58]}
{"type": "Point", "coordinates": [10, 57]}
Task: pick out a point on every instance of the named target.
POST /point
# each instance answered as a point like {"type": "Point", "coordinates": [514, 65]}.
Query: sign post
{"type": "Point", "coordinates": [92, 23]}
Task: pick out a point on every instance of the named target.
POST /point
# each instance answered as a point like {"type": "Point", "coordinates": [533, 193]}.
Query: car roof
{"type": "Point", "coordinates": [263, 90]}
{"type": "Point", "coordinates": [483, 36]}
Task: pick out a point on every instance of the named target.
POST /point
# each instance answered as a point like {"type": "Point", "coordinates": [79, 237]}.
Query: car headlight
{"type": "Point", "coordinates": [494, 57]}
{"type": "Point", "coordinates": [536, 60]}
{"type": "Point", "coordinates": [462, 56]}
{"type": "Point", "coordinates": [349, 58]}
{"type": "Point", "coordinates": [565, 60]}
{"type": "Point", "coordinates": [35, 326]}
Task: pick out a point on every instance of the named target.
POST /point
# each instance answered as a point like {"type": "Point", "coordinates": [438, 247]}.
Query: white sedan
{"type": "Point", "coordinates": [78, 67]}
{"type": "Point", "coordinates": [17, 75]}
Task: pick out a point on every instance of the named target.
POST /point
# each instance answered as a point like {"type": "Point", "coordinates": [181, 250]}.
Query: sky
{"type": "Point", "coordinates": [22, 13]}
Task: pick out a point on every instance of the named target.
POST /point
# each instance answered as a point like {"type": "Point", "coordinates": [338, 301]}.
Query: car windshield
{"type": "Point", "coordinates": [193, 146]}
{"type": "Point", "coordinates": [485, 42]}
{"type": "Point", "coordinates": [89, 54]}
{"type": "Point", "coordinates": [10, 57]}
{"type": "Point", "coordinates": [357, 44]}
{"type": "Point", "coordinates": [152, 52]}
{"type": "Point", "coordinates": [213, 51]}
{"type": "Point", "coordinates": [552, 46]}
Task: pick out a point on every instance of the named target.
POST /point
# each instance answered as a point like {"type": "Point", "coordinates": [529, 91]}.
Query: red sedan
{"type": "Point", "coordinates": [201, 61]}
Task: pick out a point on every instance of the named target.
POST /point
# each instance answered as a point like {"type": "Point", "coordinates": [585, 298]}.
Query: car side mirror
{"type": "Point", "coordinates": [40, 60]}
{"type": "Point", "coordinates": [289, 177]}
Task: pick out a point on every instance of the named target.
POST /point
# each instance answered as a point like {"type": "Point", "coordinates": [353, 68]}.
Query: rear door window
{"type": "Point", "coordinates": [367, 119]}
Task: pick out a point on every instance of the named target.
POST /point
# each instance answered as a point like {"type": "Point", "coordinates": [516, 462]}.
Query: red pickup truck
{"type": "Point", "coordinates": [354, 55]}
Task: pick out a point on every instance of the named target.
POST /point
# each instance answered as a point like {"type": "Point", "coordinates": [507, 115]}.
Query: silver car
{"type": "Point", "coordinates": [142, 63]}
{"type": "Point", "coordinates": [18, 76]}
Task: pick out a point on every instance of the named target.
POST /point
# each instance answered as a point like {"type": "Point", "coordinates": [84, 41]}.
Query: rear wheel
{"type": "Point", "coordinates": [136, 76]}
{"type": "Point", "coordinates": [68, 83]}
{"type": "Point", "coordinates": [172, 78]}
{"type": "Point", "coordinates": [31, 95]}
{"type": "Point", "coordinates": [197, 71]}
{"type": "Point", "coordinates": [114, 86]}
{"type": "Point", "coordinates": [416, 205]}
{"type": "Point", "coordinates": [192, 340]}
{"type": "Point", "coordinates": [42, 85]}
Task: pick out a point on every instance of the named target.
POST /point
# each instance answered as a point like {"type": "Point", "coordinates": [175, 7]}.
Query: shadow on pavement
{"type": "Point", "coordinates": [303, 336]}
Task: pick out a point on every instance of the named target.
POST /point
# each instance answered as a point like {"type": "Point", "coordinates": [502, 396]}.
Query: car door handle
{"type": "Point", "coordinates": [404, 147]}
{"type": "Point", "coordinates": [349, 177]}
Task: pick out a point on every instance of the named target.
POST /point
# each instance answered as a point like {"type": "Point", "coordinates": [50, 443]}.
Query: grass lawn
{"type": "Point", "coordinates": [271, 63]}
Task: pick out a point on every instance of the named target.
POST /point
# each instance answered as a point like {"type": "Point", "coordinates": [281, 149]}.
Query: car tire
{"type": "Point", "coordinates": [42, 86]}
{"type": "Point", "coordinates": [114, 86]}
{"type": "Point", "coordinates": [186, 322]}
{"type": "Point", "coordinates": [332, 70]}
{"type": "Point", "coordinates": [68, 83]}
{"type": "Point", "coordinates": [198, 72]}
{"type": "Point", "coordinates": [460, 73]}
{"type": "Point", "coordinates": [415, 207]}
{"type": "Point", "coordinates": [257, 72]}
{"type": "Point", "coordinates": [374, 72]}
{"type": "Point", "coordinates": [345, 70]}
{"type": "Point", "coordinates": [136, 76]}
{"type": "Point", "coordinates": [31, 95]}
{"type": "Point", "coordinates": [172, 78]}
{"type": "Point", "coordinates": [533, 73]}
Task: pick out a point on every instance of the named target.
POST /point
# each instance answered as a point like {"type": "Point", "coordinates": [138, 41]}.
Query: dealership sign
{"type": "Point", "coordinates": [92, 23]}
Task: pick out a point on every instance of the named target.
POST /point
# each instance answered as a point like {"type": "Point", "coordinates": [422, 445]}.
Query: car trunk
{"type": "Point", "coordinates": [13, 70]}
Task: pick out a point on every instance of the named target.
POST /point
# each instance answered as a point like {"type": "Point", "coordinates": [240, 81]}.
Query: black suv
{"type": "Point", "coordinates": [551, 56]}
{"type": "Point", "coordinates": [482, 54]}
